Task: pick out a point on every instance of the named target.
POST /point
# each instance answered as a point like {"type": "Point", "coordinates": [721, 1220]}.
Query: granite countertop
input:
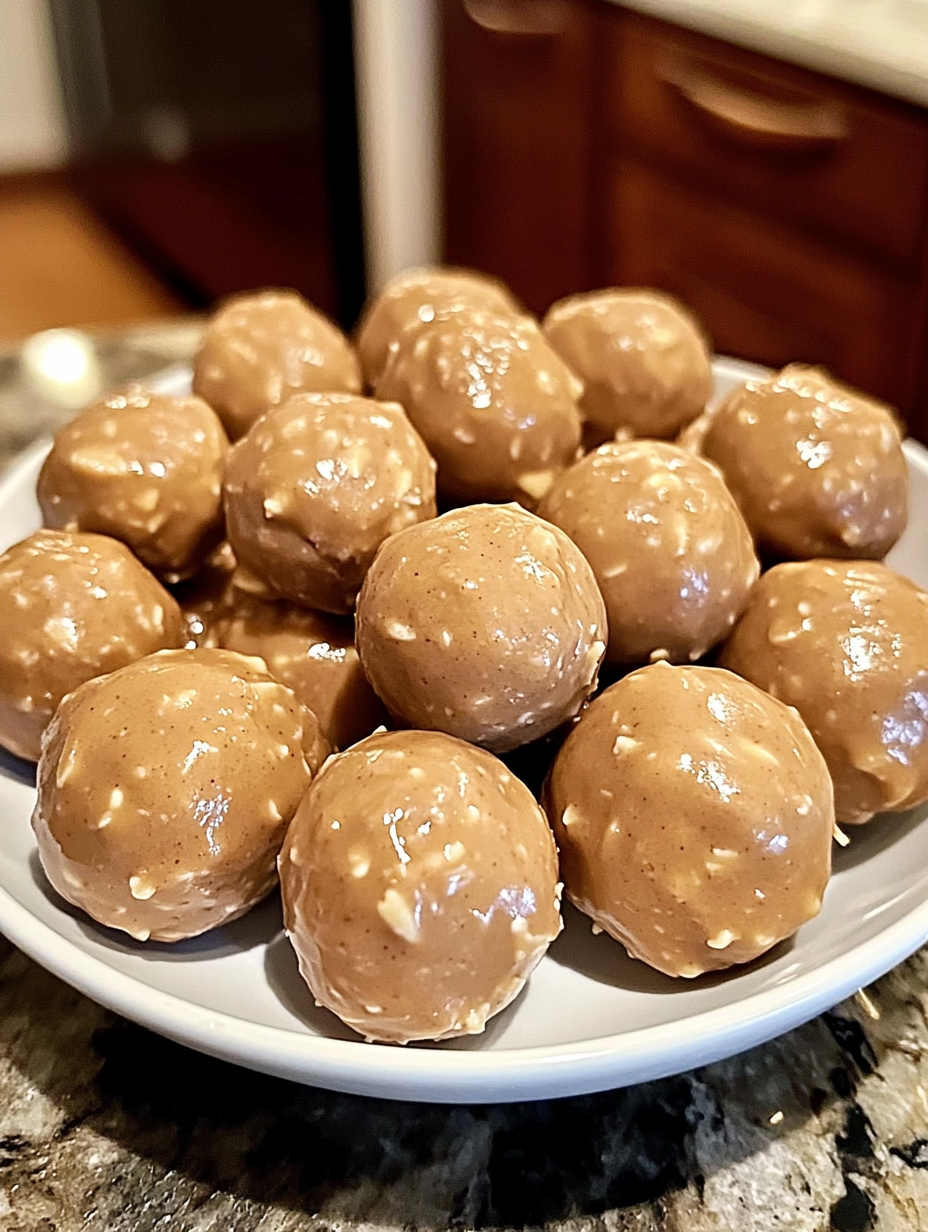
{"type": "Point", "coordinates": [104, 1125]}
{"type": "Point", "coordinates": [882, 44]}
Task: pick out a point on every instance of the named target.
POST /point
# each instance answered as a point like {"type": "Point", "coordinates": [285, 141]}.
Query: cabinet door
{"type": "Point", "coordinates": [764, 291]}
{"type": "Point", "coordinates": [517, 94]}
{"type": "Point", "coordinates": [828, 157]}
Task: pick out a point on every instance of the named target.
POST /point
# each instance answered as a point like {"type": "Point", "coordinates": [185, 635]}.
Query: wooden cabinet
{"type": "Point", "coordinates": [518, 94]}
{"type": "Point", "coordinates": [765, 291]}
{"type": "Point", "coordinates": [788, 209]}
{"type": "Point", "coordinates": [828, 158]}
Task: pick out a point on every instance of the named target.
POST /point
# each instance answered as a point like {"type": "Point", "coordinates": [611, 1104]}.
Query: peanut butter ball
{"type": "Point", "coordinates": [816, 467]}
{"type": "Point", "coordinates": [694, 818]}
{"type": "Point", "coordinates": [643, 358]}
{"type": "Point", "coordinates": [313, 490]}
{"type": "Point", "coordinates": [494, 404]}
{"type": "Point", "coordinates": [72, 606]}
{"type": "Point", "coordinates": [414, 298]}
{"type": "Point", "coordinates": [145, 468]}
{"type": "Point", "coordinates": [261, 348]}
{"type": "Point", "coordinates": [420, 886]}
{"type": "Point", "coordinates": [485, 623]}
{"type": "Point", "coordinates": [846, 643]}
{"type": "Point", "coordinates": [668, 546]}
{"type": "Point", "coordinates": [165, 790]}
{"type": "Point", "coordinates": [314, 655]}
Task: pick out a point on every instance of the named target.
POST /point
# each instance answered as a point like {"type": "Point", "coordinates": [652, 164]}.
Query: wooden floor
{"type": "Point", "coordinates": [59, 265]}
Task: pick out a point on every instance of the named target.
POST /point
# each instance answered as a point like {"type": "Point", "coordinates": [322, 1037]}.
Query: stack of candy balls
{"type": "Point", "coordinates": [301, 626]}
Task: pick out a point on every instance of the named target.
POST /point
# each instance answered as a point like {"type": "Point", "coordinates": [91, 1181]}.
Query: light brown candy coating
{"type": "Point", "coordinates": [669, 548]}
{"type": "Point", "coordinates": [495, 405]}
{"type": "Point", "coordinates": [144, 468]}
{"type": "Point", "coordinates": [846, 643]}
{"type": "Point", "coordinates": [413, 298]}
{"type": "Point", "coordinates": [642, 356]}
{"type": "Point", "coordinates": [694, 818]}
{"type": "Point", "coordinates": [315, 488]}
{"type": "Point", "coordinates": [420, 886]}
{"type": "Point", "coordinates": [692, 437]}
{"type": "Point", "coordinates": [165, 790]}
{"type": "Point", "coordinates": [72, 607]}
{"type": "Point", "coordinates": [816, 467]}
{"type": "Point", "coordinates": [261, 348]}
{"type": "Point", "coordinates": [313, 654]}
{"type": "Point", "coordinates": [485, 623]}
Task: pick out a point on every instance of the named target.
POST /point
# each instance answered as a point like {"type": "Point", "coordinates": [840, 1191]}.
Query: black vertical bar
{"type": "Point", "coordinates": [340, 129]}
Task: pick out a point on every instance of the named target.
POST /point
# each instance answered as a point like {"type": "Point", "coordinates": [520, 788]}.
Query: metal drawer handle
{"type": "Point", "coordinates": [753, 120]}
{"type": "Point", "coordinates": [531, 18]}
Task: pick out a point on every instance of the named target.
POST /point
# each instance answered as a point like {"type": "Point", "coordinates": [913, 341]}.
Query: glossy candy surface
{"type": "Point", "coordinates": [413, 298]}
{"type": "Point", "coordinates": [816, 467]}
{"type": "Point", "coordinates": [846, 643]}
{"type": "Point", "coordinates": [165, 789]}
{"type": "Point", "coordinates": [493, 402]}
{"type": "Point", "coordinates": [642, 356]}
{"type": "Point", "coordinates": [694, 818]}
{"type": "Point", "coordinates": [261, 348]}
{"type": "Point", "coordinates": [486, 623]}
{"type": "Point", "coordinates": [420, 886]}
{"type": "Point", "coordinates": [72, 607]}
{"type": "Point", "coordinates": [670, 550]}
{"type": "Point", "coordinates": [313, 654]}
{"type": "Point", "coordinates": [314, 489]}
{"type": "Point", "coordinates": [145, 468]}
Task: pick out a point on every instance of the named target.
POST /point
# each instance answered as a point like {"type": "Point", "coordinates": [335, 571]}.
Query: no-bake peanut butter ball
{"type": "Point", "coordinates": [420, 886]}
{"type": "Point", "coordinates": [413, 298]}
{"type": "Point", "coordinates": [485, 623]}
{"type": "Point", "coordinates": [145, 468]}
{"type": "Point", "coordinates": [694, 818]}
{"type": "Point", "coordinates": [165, 790]}
{"type": "Point", "coordinates": [313, 490]}
{"type": "Point", "coordinates": [643, 358]}
{"type": "Point", "coordinates": [261, 348]}
{"type": "Point", "coordinates": [314, 654]}
{"type": "Point", "coordinates": [816, 467]}
{"type": "Point", "coordinates": [72, 607]}
{"type": "Point", "coordinates": [846, 643]}
{"type": "Point", "coordinates": [669, 548]}
{"type": "Point", "coordinates": [492, 401]}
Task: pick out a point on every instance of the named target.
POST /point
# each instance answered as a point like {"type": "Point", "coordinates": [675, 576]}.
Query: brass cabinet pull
{"type": "Point", "coordinates": [751, 118]}
{"type": "Point", "coordinates": [528, 18]}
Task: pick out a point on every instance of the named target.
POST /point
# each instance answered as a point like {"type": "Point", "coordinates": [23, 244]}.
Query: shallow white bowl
{"type": "Point", "coordinates": [591, 1018]}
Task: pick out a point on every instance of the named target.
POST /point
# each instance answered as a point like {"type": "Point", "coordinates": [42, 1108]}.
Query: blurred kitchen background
{"type": "Point", "coordinates": [767, 162]}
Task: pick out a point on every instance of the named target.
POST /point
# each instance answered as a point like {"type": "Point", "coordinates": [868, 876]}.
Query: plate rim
{"type": "Point", "coordinates": [466, 1076]}
{"type": "Point", "coordinates": [447, 1076]}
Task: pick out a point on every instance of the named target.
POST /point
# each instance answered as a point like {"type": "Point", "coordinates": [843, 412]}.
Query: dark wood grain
{"type": "Point", "coordinates": [868, 187]}
{"type": "Point", "coordinates": [518, 137]}
{"type": "Point", "coordinates": [765, 292]}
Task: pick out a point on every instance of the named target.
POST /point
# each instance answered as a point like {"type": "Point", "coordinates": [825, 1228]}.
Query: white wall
{"type": "Point", "coordinates": [32, 123]}
{"type": "Point", "coordinates": [396, 56]}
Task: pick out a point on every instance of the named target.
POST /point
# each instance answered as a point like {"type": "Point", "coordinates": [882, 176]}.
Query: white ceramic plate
{"type": "Point", "coordinates": [590, 1019]}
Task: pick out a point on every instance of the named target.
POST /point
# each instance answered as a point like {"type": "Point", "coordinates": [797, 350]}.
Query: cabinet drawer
{"type": "Point", "coordinates": [763, 291]}
{"type": "Point", "coordinates": [798, 144]}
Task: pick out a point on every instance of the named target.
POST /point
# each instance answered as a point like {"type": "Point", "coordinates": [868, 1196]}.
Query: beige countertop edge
{"type": "Point", "coordinates": [869, 53]}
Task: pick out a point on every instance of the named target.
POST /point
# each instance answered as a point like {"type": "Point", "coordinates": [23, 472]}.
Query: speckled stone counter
{"type": "Point", "coordinates": [106, 1126]}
